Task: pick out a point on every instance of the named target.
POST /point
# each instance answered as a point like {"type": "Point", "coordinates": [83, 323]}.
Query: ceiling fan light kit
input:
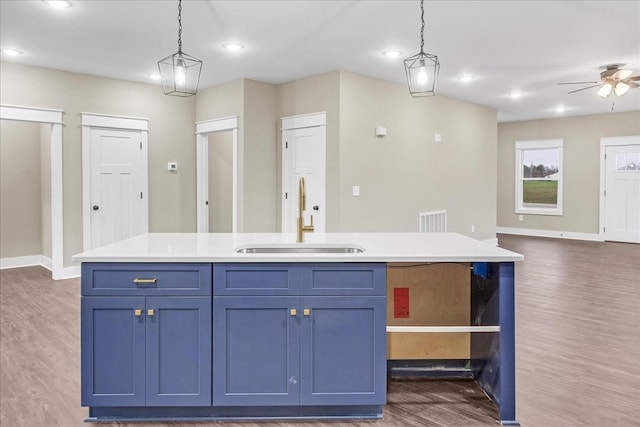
{"type": "Point", "coordinates": [612, 80]}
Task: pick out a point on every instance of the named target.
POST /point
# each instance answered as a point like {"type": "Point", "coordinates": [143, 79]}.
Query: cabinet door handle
{"type": "Point", "coordinates": [137, 312]}
{"type": "Point", "coordinates": [306, 312]}
{"type": "Point", "coordinates": [150, 312]}
{"type": "Point", "coordinates": [293, 312]}
{"type": "Point", "coordinates": [137, 280]}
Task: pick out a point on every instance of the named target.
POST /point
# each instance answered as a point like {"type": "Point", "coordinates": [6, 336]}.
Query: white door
{"type": "Point", "coordinates": [303, 155]}
{"type": "Point", "coordinates": [118, 203]}
{"type": "Point", "coordinates": [622, 193]}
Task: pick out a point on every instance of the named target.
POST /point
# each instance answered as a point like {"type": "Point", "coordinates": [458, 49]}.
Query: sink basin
{"type": "Point", "coordinates": [300, 248]}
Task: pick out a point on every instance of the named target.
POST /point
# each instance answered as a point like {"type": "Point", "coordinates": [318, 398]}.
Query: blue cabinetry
{"type": "Point", "coordinates": [275, 340]}
{"type": "Point", "coordinates": [297, 348]}
{"type": "Point", "coordinates": [151, 349]}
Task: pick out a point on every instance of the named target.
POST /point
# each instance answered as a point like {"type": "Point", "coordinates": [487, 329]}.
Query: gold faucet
{"type": "Point", "coordinates": [302, 198]}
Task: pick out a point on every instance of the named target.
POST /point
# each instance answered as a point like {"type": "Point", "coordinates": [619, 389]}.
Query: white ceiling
{"type": "Point", "coordinates": [526, 46]}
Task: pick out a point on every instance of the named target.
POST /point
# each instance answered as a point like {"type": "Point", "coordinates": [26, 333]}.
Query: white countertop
{"type": "Point", "coordinates": [221, 247]}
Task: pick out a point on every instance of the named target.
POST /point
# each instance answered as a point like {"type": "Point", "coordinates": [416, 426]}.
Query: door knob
{"type": "Point", "coordinates": [96, 207]}
{"type": "Point", "coordinates": [316, 207]}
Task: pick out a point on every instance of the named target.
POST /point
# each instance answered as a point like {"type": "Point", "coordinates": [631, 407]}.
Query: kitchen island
{"type": "Point", "coordinates": [256, 326]}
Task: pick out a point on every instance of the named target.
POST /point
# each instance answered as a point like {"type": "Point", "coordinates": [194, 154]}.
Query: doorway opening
{"type": "Point", "coordinates": [217, 175]}
{"type": "Point", "coordinates": [50, 203]}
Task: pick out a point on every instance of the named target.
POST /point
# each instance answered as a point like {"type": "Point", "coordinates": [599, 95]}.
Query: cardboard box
{"type": "Point", "coordinates": [421, 294]}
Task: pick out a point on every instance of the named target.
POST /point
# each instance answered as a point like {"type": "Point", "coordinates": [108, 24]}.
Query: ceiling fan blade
{"type": "Point", "coordinates": [633, 85]}
{"type": "Point", "coordinates": [580, 83]}
{"type": "Point", "coordinates": [634, 78]}
{"type": "Point", "coordinates": [622, 74]}
{"type": "Point", "coordinates": [584, 88]}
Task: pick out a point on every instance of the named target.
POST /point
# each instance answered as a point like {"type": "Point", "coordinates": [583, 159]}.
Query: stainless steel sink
{"type": "Point", "coordinates": [299, 249]}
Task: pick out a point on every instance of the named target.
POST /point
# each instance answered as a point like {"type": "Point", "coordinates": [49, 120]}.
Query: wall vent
{"type": "Point", "coordinates": [433, 222]}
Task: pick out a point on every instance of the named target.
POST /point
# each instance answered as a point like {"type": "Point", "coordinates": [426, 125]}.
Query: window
{"type": "Point", "coordinates": [539, 177]}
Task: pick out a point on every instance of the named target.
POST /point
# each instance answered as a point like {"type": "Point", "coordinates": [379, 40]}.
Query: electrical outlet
{"type": "Point", "coordinates": [473, 228]}
{"type": "Point", "coordinates": [520, 218]}
{"type": "Point", "coordinates": [355, 191]}
{"type": "Point", "coordinates": [172, 166]}
{"type": "Point", "coordinates": [437, 137]}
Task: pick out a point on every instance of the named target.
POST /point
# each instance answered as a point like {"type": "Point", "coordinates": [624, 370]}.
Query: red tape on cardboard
{"type": "Point", "coordinates": [401, 303]}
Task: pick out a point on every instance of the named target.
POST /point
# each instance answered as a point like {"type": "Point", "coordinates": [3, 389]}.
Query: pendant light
{"type": "Point", "coordinates": [180, 72]}
{"type": "Point", "coordinates": [422, 69]}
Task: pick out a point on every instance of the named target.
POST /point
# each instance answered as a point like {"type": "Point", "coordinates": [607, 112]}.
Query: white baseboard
{"type": "Point", "coordinates": [20, 261]}
{"type": "Point", "coordinates": [42, 261]}
{"type": "Point", "coordinates": [71, 272]}
{"type": "Point", "coordinates": [594, 237]}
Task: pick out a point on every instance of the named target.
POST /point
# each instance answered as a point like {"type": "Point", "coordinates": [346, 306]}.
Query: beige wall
{"type": "Point", "coordinates": [406, 172]}
{"type": "Point", "coordinates": [313, 95]}
{"type": "Point", "coordinates": [20, 195]}
{"type": "Point", "coordinates": [581, 158]}
{"type": "Point", "coordinates": [400, 175]}
{"type": "Point", "coordinates": [172, 197]}
{"type": "Point", "coordinates": [260, 195]}
{"type": "Point", "coordinates": [255, 105]}
{"type": "Point", "coordinates": [45, 189]}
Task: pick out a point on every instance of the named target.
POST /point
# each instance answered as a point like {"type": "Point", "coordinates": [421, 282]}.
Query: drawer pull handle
{"type": "Point", "coordinates": [150, 312]}
{"type": "Point", "coordinates": [136, 280]}
{"type": "Point", "coordinates": [293, 312]}
{"type": "Point", "coordinates": [137, 312]}
{"type": "Point", "coordinates": [306, 312]}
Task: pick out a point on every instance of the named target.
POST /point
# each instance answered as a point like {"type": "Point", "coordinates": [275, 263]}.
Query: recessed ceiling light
{"type": "Point", "coordinates": [58, 4]}
{"type": "Point", "coordinates": [515, 94]}
{"type": "Point", "coordinates": [560, 109]}
{"type": "Point", "coordinates": [155, 76]}
{"type": "Point", "coordinates": [11, 52]}
{"type": "Point", "coordinates": [233, 47]}
{"type": "Point", "coordinates": [392, 53]}
{"type": "Point", "coordinates": [466, 78]}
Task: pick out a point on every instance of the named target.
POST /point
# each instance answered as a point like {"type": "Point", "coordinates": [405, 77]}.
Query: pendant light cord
{"type": "Point", "coordinates": [180, 26]}
{"type": "Point", "coordinates": [422, 29]}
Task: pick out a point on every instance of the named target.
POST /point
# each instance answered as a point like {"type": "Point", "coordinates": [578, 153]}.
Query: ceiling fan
{"type": "Point", "coordinates": [612, 79]}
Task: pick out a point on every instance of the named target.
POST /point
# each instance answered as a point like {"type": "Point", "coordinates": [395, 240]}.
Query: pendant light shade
{"type": "Point", "coordinates": [423, 68]}
{"type": "Point", "coordinates": [180, 72]}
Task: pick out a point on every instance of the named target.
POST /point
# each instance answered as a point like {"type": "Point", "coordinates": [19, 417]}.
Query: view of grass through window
{"type": "Point", "coordinates": [545, 192]}
{"type": "Point", "coordinates": [540, 177]}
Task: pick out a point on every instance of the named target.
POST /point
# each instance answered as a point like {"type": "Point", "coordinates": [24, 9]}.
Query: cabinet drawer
{"type": "Point", "coordinates": [344, 279]}
{"type": "Point", "coordinates": [146, 279]}
{"type": "Point", "coordinates": [255, 279]}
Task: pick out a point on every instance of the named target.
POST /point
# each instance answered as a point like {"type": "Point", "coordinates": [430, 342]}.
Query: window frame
{"type": "Point", "coordinates": [542, 144]}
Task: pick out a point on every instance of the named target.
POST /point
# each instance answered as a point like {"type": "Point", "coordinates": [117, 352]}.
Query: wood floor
{"type": "Point", "coordinates": [577, 348]}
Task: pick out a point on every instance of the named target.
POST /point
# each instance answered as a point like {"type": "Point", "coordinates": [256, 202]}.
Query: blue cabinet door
{"type": "Point", "coordinates": [256, 360]}
{"type": "Point", "coordinates": [113, 351]}
{"type": "Point", "coordinates": [343, 351]}
{"type": "Point", "coordinates": [178, 362]}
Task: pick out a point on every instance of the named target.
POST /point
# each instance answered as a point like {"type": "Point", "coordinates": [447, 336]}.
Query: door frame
{"type": "Point", "coordinates": [299, 122]}
{"type": "Point", "coordinates": [203, 129]}
{"type": "Point", "coordinates": [605, 142]}
{"type": "Point", "coordinates": [54, 119]}
{"type": "Point", "coordinates": [89, 121]}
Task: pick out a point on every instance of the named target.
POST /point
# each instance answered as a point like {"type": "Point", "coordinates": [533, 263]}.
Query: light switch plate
{"type": "Point", "coordinates": [172, 166]}
{"type": "Point", "coordinates": [356, 190]}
